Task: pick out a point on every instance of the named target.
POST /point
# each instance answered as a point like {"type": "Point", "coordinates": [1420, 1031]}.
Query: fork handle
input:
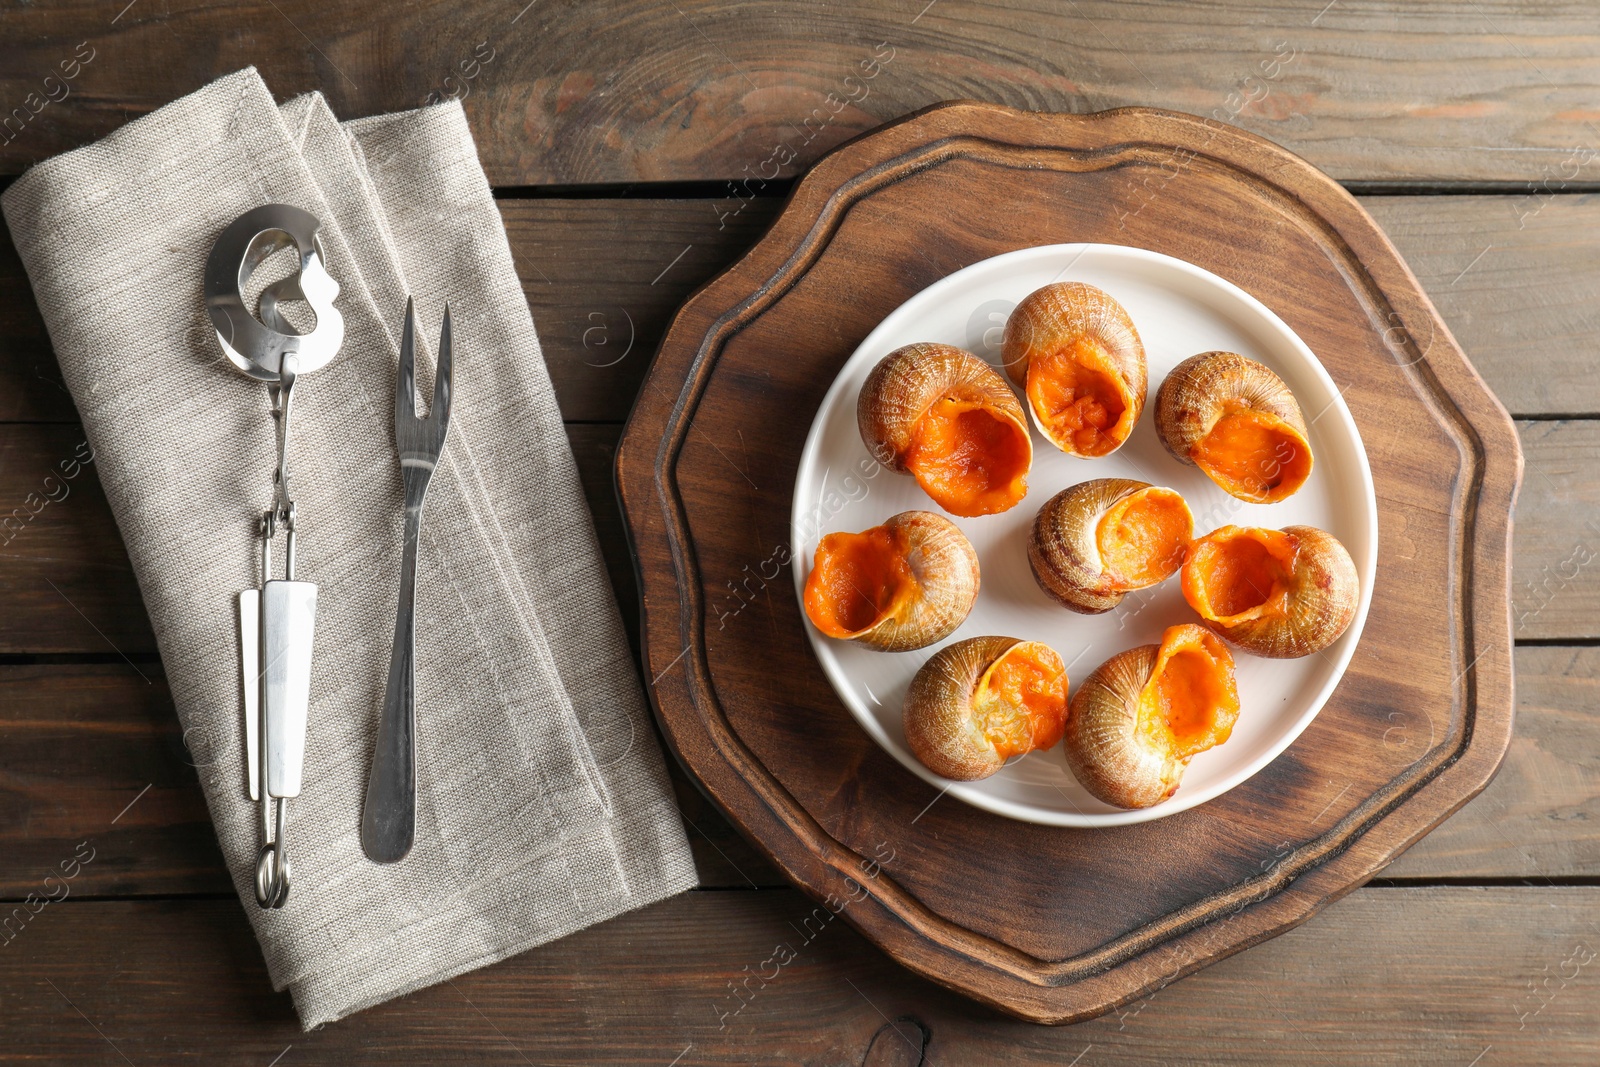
{"type": "Point", "coordinates": [389, 819]}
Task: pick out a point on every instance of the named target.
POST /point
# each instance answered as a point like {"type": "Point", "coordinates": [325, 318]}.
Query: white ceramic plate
{"type": "Point", "coordinates": [1179, 310]}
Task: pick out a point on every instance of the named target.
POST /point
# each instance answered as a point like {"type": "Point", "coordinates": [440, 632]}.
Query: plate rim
{"type": "Point", "coordinates": [966, 791]}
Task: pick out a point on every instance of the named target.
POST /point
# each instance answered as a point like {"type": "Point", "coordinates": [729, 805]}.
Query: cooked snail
{"type": "Point", "coordinates": [979, 702]}
{"type": "Point", "coordinates": [1137, 721]}
{"type": "Point", "coordinates": [1277, 593]}
{"type": "Point", "coordinates": [895, 587]}
{"type": "Point", "coordinates": [1075, 352]}
{"type": "Point", "coordinates": [948, 419]}
{"type": "Point", "coordinates": [1098, 540]}
{"type": "Point", "coordinates": [1236, 420]}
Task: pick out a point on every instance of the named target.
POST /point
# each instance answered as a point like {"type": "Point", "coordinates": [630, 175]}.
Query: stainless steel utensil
{"type": "Point", "coordinates": [278, 619]}
{"type": "Point", "coordinates": [389, 819]}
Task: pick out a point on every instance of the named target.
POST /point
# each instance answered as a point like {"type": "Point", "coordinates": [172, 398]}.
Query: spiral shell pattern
{"type": "Point", "coordinates": [1203, 388]}
{"type": "Point", "coordinates": [1115, 756]}
{"type": "Point", "coordinates": [1060, 315]}
{"type": "Point", "coordinates": [1064, 549]}
{"type": "Point", "coordinates": [908, 381]}
{"type": "Point", "coordinates": [939, 725]}
{"type": "Point", "coordinates": [943, 571]}
{"type": "Point", "coordinates": [1318, 602]}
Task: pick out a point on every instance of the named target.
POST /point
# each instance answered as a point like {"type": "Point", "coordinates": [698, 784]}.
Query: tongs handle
{"type": "Point", "coordinates": [389, 818]}
{"type": "Point", "coordinates": [288, 623]}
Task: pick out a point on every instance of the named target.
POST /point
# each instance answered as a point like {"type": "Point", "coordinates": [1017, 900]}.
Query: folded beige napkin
{"type": "Point", "coordinates": [543, 803]}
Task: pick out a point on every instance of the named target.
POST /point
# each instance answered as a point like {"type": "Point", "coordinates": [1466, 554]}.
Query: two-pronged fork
{"type": "Point", "coordinates": [389, 820]}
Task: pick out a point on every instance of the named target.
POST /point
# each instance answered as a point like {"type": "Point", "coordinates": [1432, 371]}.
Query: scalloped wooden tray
{"type": "Point", "coordinates": [1058, 925]}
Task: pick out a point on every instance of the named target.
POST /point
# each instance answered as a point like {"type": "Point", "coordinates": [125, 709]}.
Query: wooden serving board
{"type": "Point", "coordinates": [1058, 925]}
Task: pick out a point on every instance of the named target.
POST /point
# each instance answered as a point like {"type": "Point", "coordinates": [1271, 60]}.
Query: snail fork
{"type": "Point", "coordinates": [389, 817]}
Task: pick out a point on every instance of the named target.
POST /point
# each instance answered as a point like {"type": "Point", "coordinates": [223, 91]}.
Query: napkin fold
{"type": "Point", "coordinates": [543, 801]}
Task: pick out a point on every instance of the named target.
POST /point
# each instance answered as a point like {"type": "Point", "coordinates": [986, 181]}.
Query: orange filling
{"type": "Point", "coordinates": [1021, 701]}
{"type": "Point", "coordinates": [1254, 456]}
{"type": "Point", "coordinates": [968, 459]}
{"type": "Point", "coordinates": [1190, 703]}
{"type": "Point", "coordinates": [1236, 574]}
{"type": "Point", "coordinates": [857, 581]}
{"type": "Point", "coordinates": [1142, 537]}
{"type": "Point", "coordinates": [1079, 399]}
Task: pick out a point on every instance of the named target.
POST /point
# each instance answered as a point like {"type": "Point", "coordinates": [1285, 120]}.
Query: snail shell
{"type": "Point", "coordinates": [1235, 420]}
{"type": "Point", "coordinates": [1276, 593]}
{"type": "Point", "coordinates": [896, 587]}
{"type": "Point", "coordinates": [1075, 352]}
{"type": "Point", "coordinates": [1137, 721]}
{"type": "Point", "coordinates": [979, 702]}
{"type": "Point", "coordinates": [944, 416]}
{"type": "Point", "coordinates": [1096, 541]}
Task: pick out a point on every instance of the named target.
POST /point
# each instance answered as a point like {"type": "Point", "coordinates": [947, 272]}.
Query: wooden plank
{"type": "Point", "coordinates": [1540, 818]}
{"type": "Point", "coordinates": [603, 278]}
{"type": "Point", "coordinates": [94, 752]}
{"type": "Point", "coordinates": [1555, 591]}
{"type": "Point", "coordinates": [724, 90]}
{"type": "Point", "coordinates": [1435, 976]}
{"type": "Point", "coordinates": [1515, 277]}
{"type": "Point", "coordinates": [31, 388]}
{"type": "Point", "coordinates": [67, 577]}
{"type": "Point", "coordinates": [64, 575]}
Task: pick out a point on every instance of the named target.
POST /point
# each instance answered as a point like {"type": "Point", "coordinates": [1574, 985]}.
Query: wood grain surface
{"type": "Point", "coordinates": [65, 569]}
{"type": "Point", "coordinates": [1435, 964]}
{"type": "Point", "coordinates": [81, 742]}
{"type": "Point", "coordinates": [1093, 918]}
{"type": "Point", "coordinates": [603, 276]}
{"type": "Point", "coordinates": [1503, 974]}
{"type": "Point", "coordinates": [633, 91]}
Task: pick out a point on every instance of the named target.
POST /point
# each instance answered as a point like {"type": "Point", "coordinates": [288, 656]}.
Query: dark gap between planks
{"type": "Point", "coordinates": [1564, 881]}
{"type": "Point", "coordinates": [89, 659]}
{"type": "Point", "coordinates": [151, 898]}
{"type": "Point", "coordinates": [719, 188]}
{"type": "Point", "coordinates": [1576, 881]}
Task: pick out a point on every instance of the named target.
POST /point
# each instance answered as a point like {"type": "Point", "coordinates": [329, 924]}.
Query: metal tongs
{"type": "Point", "coordinates": [276, 620]}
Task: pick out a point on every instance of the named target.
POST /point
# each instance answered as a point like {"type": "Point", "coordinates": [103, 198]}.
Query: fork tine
{"type": "Point", "coordinates": [405, 391]}
{"type": "Point", "coordinates": [439, 410]}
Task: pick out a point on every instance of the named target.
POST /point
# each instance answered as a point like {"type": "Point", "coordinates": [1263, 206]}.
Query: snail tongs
{"type": "Point", "coordinates": [276, 619]}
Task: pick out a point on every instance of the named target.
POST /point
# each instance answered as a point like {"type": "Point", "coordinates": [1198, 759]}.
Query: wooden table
{"type": "Point", "coordinates": [630, 144]}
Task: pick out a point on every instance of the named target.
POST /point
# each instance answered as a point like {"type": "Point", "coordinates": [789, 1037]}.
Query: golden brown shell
{"type": "Point", "coordinates": [938, 710]}
{"type": "Point", "coordinates": [1203, 388]}
{"type": "Point", "coordinates": [944, 567]}
{"type": "Point", "coordinates": [1056, 316]}
{"type": "Point", "coordinates": [1064, 549]}
{"type": "Point", "coordinates": [941, 725]}
{"type": "Point", "coordinates": [1111, 753]}
{"type": "Point", "coordinates": [1319, 601]}
{"type": "Point", "coordinates": [906, 383]}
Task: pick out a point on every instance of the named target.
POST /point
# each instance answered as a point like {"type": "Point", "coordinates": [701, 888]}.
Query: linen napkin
{"type": "Point", "coordinates": [543, 803]}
